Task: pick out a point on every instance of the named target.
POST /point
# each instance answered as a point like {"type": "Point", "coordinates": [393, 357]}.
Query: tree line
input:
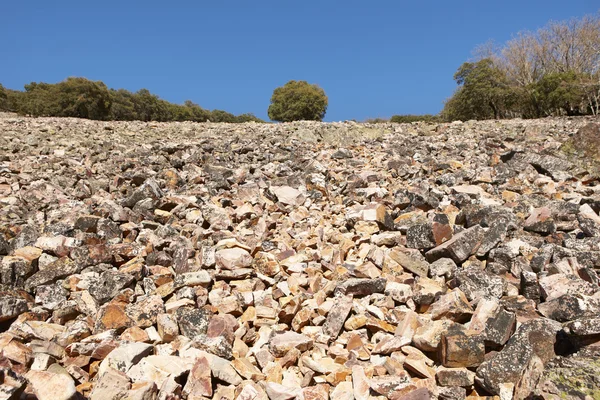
{"type": "Point", "coordinates": [83, 98]}
{"type": "Point", "coordinates": [552, 72]}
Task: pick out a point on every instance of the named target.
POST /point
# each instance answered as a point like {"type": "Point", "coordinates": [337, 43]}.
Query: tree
{"type": "Point", "coordinates": [3, 99]}
{"type": "Point", "coordinates": [248, 117]}
{"type": "Point", "coordinates": [123, 105]}
{"type": "Point", "coordinates": [408, 118]}
{"type": "Point", "coordinates": [221, 116]}
{"type": "Point", "coordinates": [73, 97]}
{"type": "Point", "coordinates": [558, 93]}
{"type": "Point", "coordinates": [553, 71]}
{"type": "Point", "coordinates": [82, 98]}
{"type": "Point", "coordinates": [298, 100]}
{"type": "Point", "coordinates": [197, 113]}
{"type": "Point", "coordinates": [484, 92]}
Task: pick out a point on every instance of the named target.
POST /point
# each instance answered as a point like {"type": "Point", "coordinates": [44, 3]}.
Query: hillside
{"type": "Point", "coordinates": [301, 260]}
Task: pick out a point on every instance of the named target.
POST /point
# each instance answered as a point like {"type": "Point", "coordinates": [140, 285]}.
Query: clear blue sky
{"type": "Point", "coordinates": [373, 58]}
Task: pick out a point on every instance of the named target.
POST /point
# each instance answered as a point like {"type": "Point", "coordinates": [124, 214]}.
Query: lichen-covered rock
{"type": "Point", "coordinates": [533, 339]}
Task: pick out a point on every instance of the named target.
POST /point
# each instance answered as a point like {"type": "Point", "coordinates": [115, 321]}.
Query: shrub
{"type": "Point", "coordinates": [3, 99]}
{"type": "Point", "coordinates": [414, 118]}
{"type": "Point", "coordinates": [298, 100]}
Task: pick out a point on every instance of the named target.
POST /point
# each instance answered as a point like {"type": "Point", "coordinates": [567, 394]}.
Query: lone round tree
{"type": "Point", "coordinates": [296, 101]}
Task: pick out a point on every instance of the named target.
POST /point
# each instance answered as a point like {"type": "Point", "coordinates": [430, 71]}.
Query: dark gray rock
{"type": "Point", "coordinates": [193, 322]}
{"type": "Point", "coordinates": [534, 338]}
{"type": "Point", "coordinates": [361, 287]}
{"type": "Point", "coordinates": [477, 284]}
{"type": "Point", "coordinates": [59, 269]}
{"type": "Point", "coordinates": [460, 247]}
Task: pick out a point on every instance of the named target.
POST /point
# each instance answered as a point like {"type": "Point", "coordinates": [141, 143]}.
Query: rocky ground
{"type": "Point", "coordinates": [300, 261]}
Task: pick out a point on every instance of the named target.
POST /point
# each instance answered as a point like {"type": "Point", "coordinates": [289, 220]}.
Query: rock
{"type": "Point", "coordinates": [442, 267]}
{"type": "Point", "coordinates": [61, 268]}
{"type": "Point", "coordinates": [51, 386]}
{"type": "Point", "coordinates": [426, 236]}
{"type": "Point", "coordinates": [426, 291]}
{"type": "Point", "coordinates": [12, 384]}
{"type": "Point", "coordinates": [448, 377]}
{"type": "Point", "coordinates": [257, 261]}
{"type": "Point", "coordinates": [390, 344]}
{"type": "Point", "coordinates": [159, 369]}
{"type": "Point", "coordinates": [416, 266]}
{"type": "Point", "coordinates": [11, 305]}
{"type": "Point", "coordinates": [583, 327]}
{"type": "Point", "coordinates": [244, 367]}
{"type": "Point", "coordinates": [145, 311]}
{"type": "Point", "coordinates": [460, 247]}
{"type": "Point", "coordinates": [361, 287]}
{"type": "Point", "coordinates": [111, 384]}
{"type": "Point", "coordinates": [112, 316]}
{"type": "Point", "coordinates": [222, 369]}
{"type": "Point", "coordinates": [533, 339]}
{"type": "Point", "coordinates": [142, 391]}
{"type": "Point", "coordinates": [124, 357]}
{"type": "Point", "coordinates": [400, 292]}
{"type": "Point", "coordinates": [342, 391]}
{"type": "Point", "coordinates": [337, 316]}
{"type": "Point", "coordinates": [494, 322]}
{"type": "Point", "coordinates": [540, 221]}
{"type": "Point", "coordinates": [276, 391]}
{"type": "Point", "coordinates": [288, 195]}
{"type": "Point", "coordinates": [341, 154]}
{"type": "Point", "coordinates": [453, 305]}
{"type": "Point", "coordinates": [477, 284]}
{"type": "Point", "coordinates": [589, 221]}
{"type": "Point", "coordinates": [167, 327]}
{"type": "Point", "coordinates": [558, 285]}
{"type": "Point", "coordinates": [569, 307]}
{"type": "Point", "coordinates": [360, 383]}
{"type": "Point", "coordinates": [233, 258]}
{"type": "Point", "coordinates": [282, 343]}
{"type": "Point", "coordinates": [109, 285]}
{"type": "Point", "coordinates": [374, 212]}
{"type": "Point", "coordinates": [459, 349]}
{"type": "Point", "coordinates": [197, 278]}
{"type": "Point", "coordinates": [199, 382]}
{"type": "Point", "coordinates": [428, 336]}
{"type": "Point", "coordinates": [192, 322]}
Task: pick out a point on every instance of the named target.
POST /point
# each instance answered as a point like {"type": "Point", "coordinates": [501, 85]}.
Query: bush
{"type": "Point", "coordinates": [73, 97]}
{"type": "Point", "coordinates": [80, 97]}
{"type": "Point", "coordinates": [249, 117]}
{"type": "Point", "coordinates": [376, 120]}
{"type": "Point", "coordinates": [296, 101]}
{"type": "Point", "coordinates": [3, 99]}
{"type": "Point", "coordinates": [414, 118]}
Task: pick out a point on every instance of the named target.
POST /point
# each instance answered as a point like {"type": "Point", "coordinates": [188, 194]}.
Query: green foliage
{"type": "Point", "coordinates": [376, 120]}
{"type": "Point", "coordinates": [73, 97]}
{"type": "Point", "coordinates": [553, 71]}
{"type": "Point", "coordinates": [414, 118]}
{"type": "Point", "coordinates": [296, 101]}
{"type": "Point", "coordinates": [3, 99]}
{"type": "Point", "coordinates": [80, 97]}
{"type": "Point", "coordinates": [483, 92]}
{"type": "Point", "coordinates": [123, 105]}
{"type": "Point", "coordinates": [13, 100]}
{"type": "Point", "coordinates": [221, 116]}
{"type": "Point", "coordinates": [558, 92]}
{"type": "Point", "coordinates": [248, 117]}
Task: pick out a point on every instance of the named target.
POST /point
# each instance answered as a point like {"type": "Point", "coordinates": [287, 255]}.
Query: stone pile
{"type": "Point", "coordinates": [305, 261]}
